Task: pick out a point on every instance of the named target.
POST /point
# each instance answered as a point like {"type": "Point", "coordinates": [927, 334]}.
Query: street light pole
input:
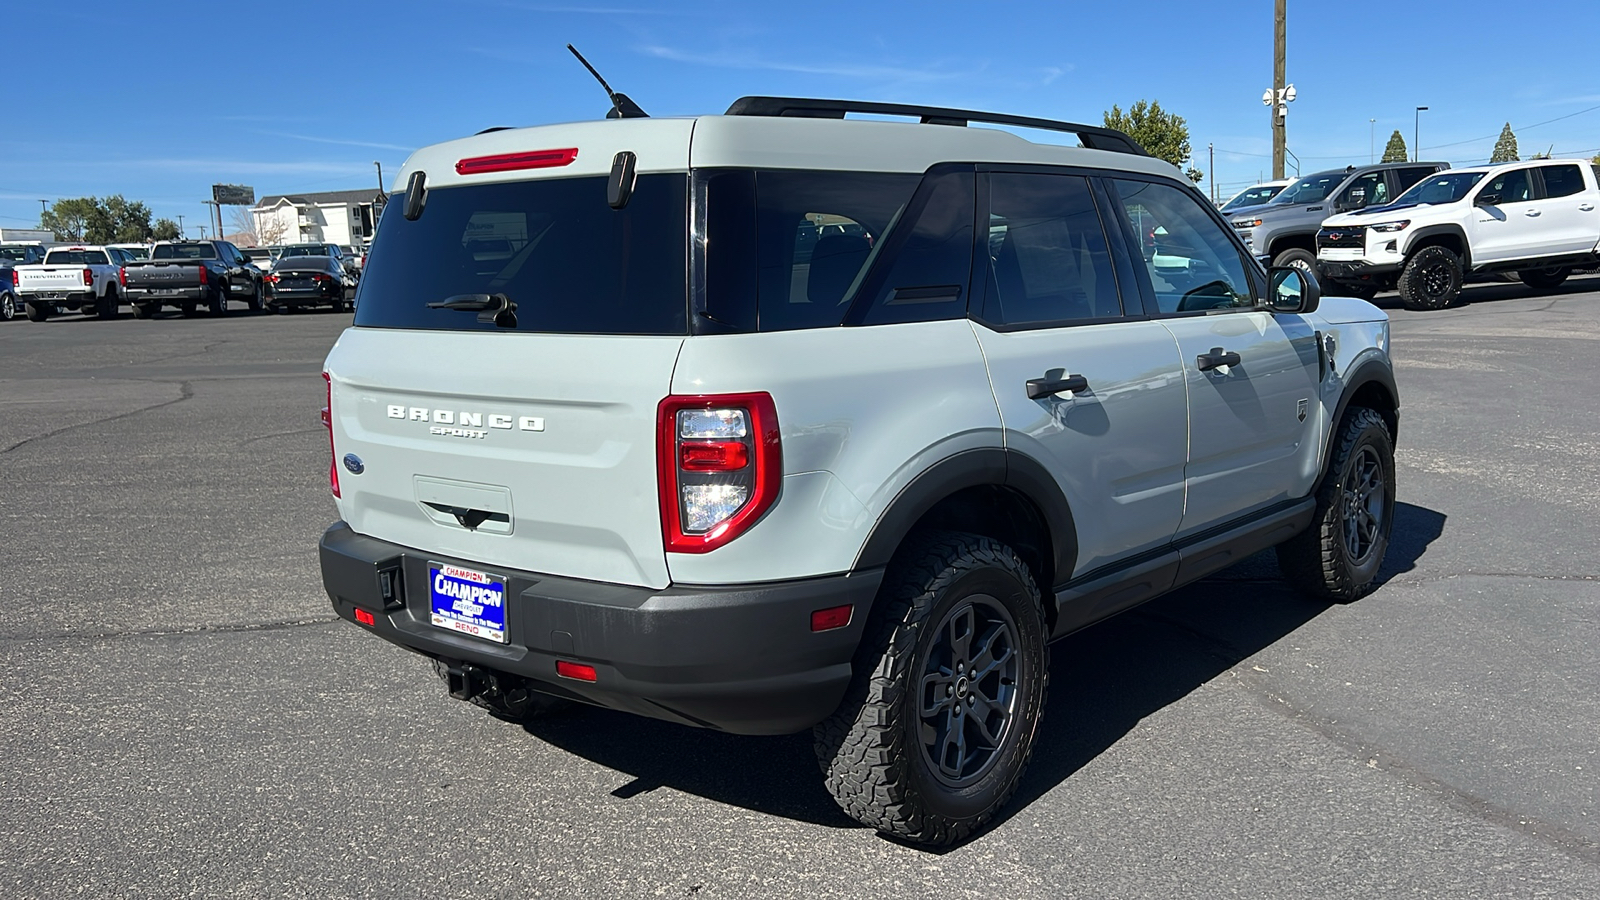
{"type": "Point", "coordinates": [1416, 135]}
{"type": "Point", "coordinates": [1372, 146]}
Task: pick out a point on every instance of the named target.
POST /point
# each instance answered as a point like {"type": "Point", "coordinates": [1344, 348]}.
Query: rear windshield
{"type": "Point", "coordinates": [571, 263]}
{"type": "Point", "coordinates": [75, 258]}
{"type": "Point", "coordinates": [308, 250]}
{"type": "Point", "coordinates": [184, 251]}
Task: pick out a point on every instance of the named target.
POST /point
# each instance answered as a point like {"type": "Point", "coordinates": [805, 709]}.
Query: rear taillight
{"type": "Point", "coordinates": [720, 462]}
{"type": "Point", "coordinates": [122, 276]}
{"type": "Point", "coordinates": [204, 275]}
{"type": "Point", "coordinates": [327, 419]}
{"type": "Point", "coordinates": [88, 277]}
{"type": "Point", "coordinates": [270, 279]}
{"type": "Point", "coordinates": [319, 277]}
{"type": "Point", "coordinates": [16, 280]}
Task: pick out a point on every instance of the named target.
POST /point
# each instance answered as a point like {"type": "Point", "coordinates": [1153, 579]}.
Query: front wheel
{"type": "Point", "coordinates": [1544, 279]}
{"type": "Point", "coordinates": [1304, 260]}
{"type": "Point", "coordinates": [939, 721]}
{"type": "Point", "coordinates": [1338, 556]}
{"type": "Point", "coordinates": [1430, 279]}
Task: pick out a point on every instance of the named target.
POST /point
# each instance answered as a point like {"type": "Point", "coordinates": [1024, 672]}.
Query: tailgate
{"type": "Point", "coordinates": [164, 275]}
{"type": "Point", "coordinates": [546, 442]}
{"type": "Point", "coordinates": [50, 278]}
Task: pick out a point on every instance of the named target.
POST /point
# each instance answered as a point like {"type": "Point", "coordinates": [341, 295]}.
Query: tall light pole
{"type": "Point", "coordinates": [1416, 135]}
{"type": "Point", "coordinates": [1372, 146]}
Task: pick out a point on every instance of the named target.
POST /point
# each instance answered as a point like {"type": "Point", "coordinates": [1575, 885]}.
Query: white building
{"type": "Point", "coordinates": [330, 217]}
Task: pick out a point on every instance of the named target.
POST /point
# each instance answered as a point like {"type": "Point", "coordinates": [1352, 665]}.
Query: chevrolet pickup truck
{"type": "Point", "coordinates": [78, 279]}
{"type": "Point", "coordinates": [186, 274]}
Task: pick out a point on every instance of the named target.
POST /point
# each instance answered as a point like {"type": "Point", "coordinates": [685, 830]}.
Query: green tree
{"type": "Point", "coordinates": [1596, 159]}
{"type": "Point", "coordinates": [165, 230]}
{"type": "Point", "coordinates": [1165, 135]}
{"type": "Point", "coordinates": [70, 219]}
{"type": "Point", "coordinates": [1505, 149]}
{"type": "Point", "coordinates": [125, 221]}
{"type": "Point", "coordinates": [1195, 175]}
{"type": "Point", "coordinates": [1396, 150]}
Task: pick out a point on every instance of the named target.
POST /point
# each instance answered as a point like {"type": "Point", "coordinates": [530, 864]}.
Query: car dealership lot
{"type": "Point", "coordinates": [184, 716]}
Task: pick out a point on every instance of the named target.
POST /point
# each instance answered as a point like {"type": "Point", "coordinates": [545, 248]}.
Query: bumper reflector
{"type": "Point", "coordinates": [831, 618]}
{"type": "Point", "coordinates": [366, 618]}
{"type": "Point", "coordinates": [575, 671]}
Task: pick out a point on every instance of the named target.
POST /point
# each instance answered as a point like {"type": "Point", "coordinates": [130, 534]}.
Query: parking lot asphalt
{"type": "Point", "coordinates": [181, 715]}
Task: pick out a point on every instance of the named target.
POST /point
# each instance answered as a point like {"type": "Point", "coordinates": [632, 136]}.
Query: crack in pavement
{"type": "Point", "coordinates": [186, 391]}
{"type": "Point", "coordinates": [243, 628]}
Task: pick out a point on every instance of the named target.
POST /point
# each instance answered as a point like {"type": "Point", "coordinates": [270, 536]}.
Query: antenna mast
{"type": "Point", "coordinates": [621, 106]}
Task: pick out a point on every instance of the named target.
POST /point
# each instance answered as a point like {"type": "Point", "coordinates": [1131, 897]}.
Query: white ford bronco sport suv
{"type": "Point", "coordinates": [1539, 218]}
{"type": "Point", "coordinates": [779, 420]}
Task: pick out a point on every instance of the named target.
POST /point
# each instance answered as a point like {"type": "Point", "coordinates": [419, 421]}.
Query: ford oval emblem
{"type": "Point", "coordinates": [354, 464]}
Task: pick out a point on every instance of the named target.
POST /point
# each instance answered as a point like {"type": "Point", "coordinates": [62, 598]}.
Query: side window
{"type": "Point", "coordinates": [1047, 255]}
{"type": "Point", "coordinates": [1562, 181]}
{"type": "Point", "coordinates": [1409, 176]}
{"type": "Point", "coordinates": [1508, 187]}
{"type": "Point", "coordinates": [1191, 261]}
{"type": "Point", "coordinates": [927, 258]}
{"type": "Point", "coordinates": [1369, 190]}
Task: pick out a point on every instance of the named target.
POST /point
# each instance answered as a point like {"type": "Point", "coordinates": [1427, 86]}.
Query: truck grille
{"type": "Point", "coordinates": [1352, 237]}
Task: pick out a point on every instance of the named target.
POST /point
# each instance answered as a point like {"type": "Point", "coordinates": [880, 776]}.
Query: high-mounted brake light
{"type": "Point", "coordinates": [88, 276]}
{"type": "Point", "coordinates": [327, 419]}
{"type": "Point", "coordinates": [719, 464]}
{"type": "Point", "coordinates": [510, 162]}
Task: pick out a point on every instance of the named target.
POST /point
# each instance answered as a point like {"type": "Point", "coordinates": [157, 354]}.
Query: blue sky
{"type": "Point", "coordinates": [163, 99]}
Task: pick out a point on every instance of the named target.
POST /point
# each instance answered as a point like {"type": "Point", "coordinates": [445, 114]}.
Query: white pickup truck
{"type": "Point", "coordinates": [85, 279]}
{"type": "Point", "coordinates": [1539, 219]}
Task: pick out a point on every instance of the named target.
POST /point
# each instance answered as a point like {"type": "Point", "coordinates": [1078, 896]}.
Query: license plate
{"type": "Point", "coordinates": [164, 292]}
{"type": "Point", "coordinates": [469, 602]}
{"type": "Point", "coordinates": [53, 296]}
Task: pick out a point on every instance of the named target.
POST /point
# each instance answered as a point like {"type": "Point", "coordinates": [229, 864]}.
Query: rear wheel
{"type": "Point", "coordinates": [38, 312]}
{"type": "Point", "coordinates": [1430, 279]}
{"type": "Point", "coordinates": [109, 303]}
{"type": "Point", "coordinates": [939, 721]}
{"type": "Point", "coordinates": [219, 300]}
{"type": "Point", "coordinates": [8, 307]}
{"type": "Point", "coordinates": [1544, 279]}
{"type": "Point", "coordinates": [1338, 556]}
{"type": "Point", "coordinates": [145, 310]}
{"type": "Point", "coordinates": [258, 299]}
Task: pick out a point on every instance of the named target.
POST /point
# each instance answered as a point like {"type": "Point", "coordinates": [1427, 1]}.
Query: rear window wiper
{"type": "Point", "coordinates": [491, 308]}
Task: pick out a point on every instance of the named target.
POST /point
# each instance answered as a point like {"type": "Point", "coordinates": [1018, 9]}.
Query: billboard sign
{"type": "Point", "coordinates": [233, 195]}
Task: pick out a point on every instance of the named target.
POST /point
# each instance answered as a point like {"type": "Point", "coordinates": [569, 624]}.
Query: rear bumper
{"type": "Point", "coordinates": [167, 295]}
{"type": "Point", "coordinates": [740, 658]}
{"type": "Point", "coordinates": [60, 298]}
{"type": "Point", "coordinates": [296, 297]}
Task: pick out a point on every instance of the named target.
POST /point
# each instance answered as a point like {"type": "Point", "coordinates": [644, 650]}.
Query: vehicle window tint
{"type": "Point", "coordinates": [1368, 190]}
{"type": "Point", "coordinates": [554, 247]}
{"type": "Point", "coordinates": [1411, 175]}
{"type": "Point", "coordinates": [75, 258]}
{"type": "Point", "coordinates": [927, 257]}
{"type": "Point", "coordinates": [1562, 181]}
{"type": "Point", "coordinates": [1192, 263]}
{"type": "Point", "coordinates": [816, 234]}
{"type": "Point", "coordinates": [1047, 255]}
{"type": "Point", "coordinates": [1509, 187]}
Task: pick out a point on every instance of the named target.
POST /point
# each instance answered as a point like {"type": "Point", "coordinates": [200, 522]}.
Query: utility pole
{"type": "Point", "coordinates": [181, 233]}
{"type": "Point", "coordinates": [1416, 135]}
{"type": "Point", "coordinates": [44, 207]}
{"type": "Point", "coordinates": [1372, 147]}
{"type": "Point", "coordinates": [1279, 52]}
{"type": "Point", "coordinates": [1211, 150]}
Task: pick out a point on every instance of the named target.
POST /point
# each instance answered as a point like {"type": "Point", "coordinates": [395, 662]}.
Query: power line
{"type": "Point", "coordinates": [1518, 128]}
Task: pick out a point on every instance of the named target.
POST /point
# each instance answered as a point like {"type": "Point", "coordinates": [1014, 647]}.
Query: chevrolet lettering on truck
{"type": "Point", "coordinates": [783, 421]}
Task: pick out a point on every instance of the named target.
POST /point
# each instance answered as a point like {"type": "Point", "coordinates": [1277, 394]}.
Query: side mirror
{"type": "Point", "coordinates": [1293, 290]}
{"type": "Point", "coordinates": [1487, 199]}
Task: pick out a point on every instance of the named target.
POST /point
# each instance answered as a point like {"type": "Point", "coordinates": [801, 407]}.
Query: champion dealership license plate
{"type": "Point", "coordinates": [469, 602]}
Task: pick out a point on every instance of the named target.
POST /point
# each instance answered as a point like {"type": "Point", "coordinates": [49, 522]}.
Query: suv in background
{"type": "Point", "coordinates": [1539, 219]}
{"type": "Point", "coordinates": [1283, 232]}
{"type": "Point", "coordinates": [778, 420]}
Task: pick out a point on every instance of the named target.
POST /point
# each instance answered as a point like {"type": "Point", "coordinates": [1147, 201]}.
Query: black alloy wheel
{"type": "Point", "coordinates": [1339, 554]}
{"type": "Point", "coordinates": [1431, 279]}
{"type": "Point", "coordinates": [1364, 496]}
{"type": "Point", "coordinates": [968, 694]}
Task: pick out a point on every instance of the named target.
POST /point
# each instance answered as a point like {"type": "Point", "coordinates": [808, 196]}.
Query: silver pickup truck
{"type": "Point", "coordinates": [83, 279]}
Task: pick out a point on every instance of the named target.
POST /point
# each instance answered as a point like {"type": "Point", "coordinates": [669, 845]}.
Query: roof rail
{"type": "Point", "coordinates": [1092, 136]}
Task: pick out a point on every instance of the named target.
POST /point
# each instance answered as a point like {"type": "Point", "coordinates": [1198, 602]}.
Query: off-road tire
{"type": "Point", "coordinates": [108, 305]}
{"type": "Point", "coordinates": [872, 748]}
{"type": "Point", "coordinates": [517, 705]}
{"type": "Point", "coordinates": [38, 312]}
{"type": "Point", "coordinates": [1544, 279]}
{"type": "Point", "coordinates": [8, 306]}
{"type": "Point", "coordinates": [1304, 260]}
{"type": "Point", "coordinates": [219, 301]}
{"type": "Point", "coordinates": [1430, 279]}
{"type": "Point", "coordinates": [1319, 561]}
{"type": "Point", "coordinates": [145, 310]}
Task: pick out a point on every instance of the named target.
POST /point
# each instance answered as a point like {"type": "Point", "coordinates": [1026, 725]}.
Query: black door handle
{"type": "Point", "coordinates": [1044, 387]}
{"type": "Point", "coordinates": [1217, 357]}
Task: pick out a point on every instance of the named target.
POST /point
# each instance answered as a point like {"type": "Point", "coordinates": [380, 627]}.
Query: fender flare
{"type": "Point", "coordinates": [1449, 228]}
{"type": "Point", "coordinates": [1371, 370]}
{"type": "Point", "coordinates": [988, 466]}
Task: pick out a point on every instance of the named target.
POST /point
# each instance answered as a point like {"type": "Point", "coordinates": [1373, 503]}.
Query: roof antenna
{"type": "Point", "coordinates": [621, 106]}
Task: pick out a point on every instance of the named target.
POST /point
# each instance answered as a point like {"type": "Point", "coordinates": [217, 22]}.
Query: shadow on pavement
{"type": "Point", "coordinates": [1103, 681]}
